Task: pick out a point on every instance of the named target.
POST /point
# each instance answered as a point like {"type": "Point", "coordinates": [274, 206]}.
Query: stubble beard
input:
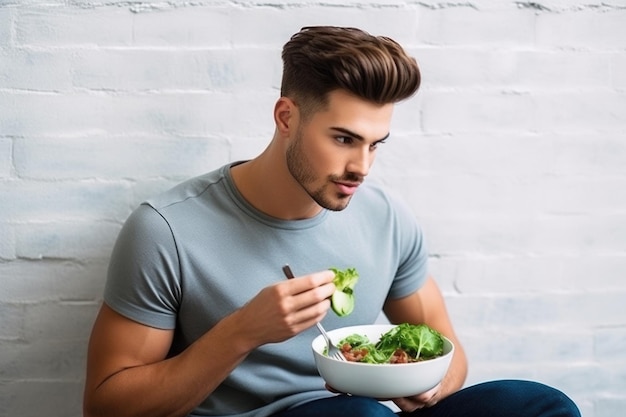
{"type": "Point", "coordinates": [301, 170]}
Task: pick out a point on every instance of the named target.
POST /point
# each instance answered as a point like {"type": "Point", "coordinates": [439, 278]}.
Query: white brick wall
{"type": "Point", "coordinates": [513, 155]}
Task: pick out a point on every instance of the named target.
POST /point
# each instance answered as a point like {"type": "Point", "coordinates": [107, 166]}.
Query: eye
{"type": "Point", "coordinates": [344, 140]}
{"type": "Point", "coordinates": [374, 145]}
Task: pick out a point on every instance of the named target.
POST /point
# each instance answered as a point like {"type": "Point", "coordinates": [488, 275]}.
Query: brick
{"type": "Point", "coordinates": [511, 155]}
{"type": "Point", "coordinates": [512, 202]}
{"type": "Point", "coordinates": [474, 111]}
{"type": "Point", "coordinates": [601, 308]}
{"type": "Point", "coordinates": [537, 311]}
{"type": "Point", "coordinates": [610, 345]}
{"type": "Point", "coordinates": [54, 398]}
{"type": "Point", "coordinates": [13, 322]}
{"type": "Point", "coordinates": [618, 71]}
{"type": "Point", "coordinates": [181, 114]}
{"type": "Point", "coordinates": [202, 26]}
{"type": "Point", "coordinates": [117, 157]}
{"type": "Point", "coordinates": [407, 116]}
{"type": "Point", "coordinates": [488, 26]}
{"type": "Point", "coordinates": [583, 27]}
{"type": "Point", "coordinates": [6, 26]}
{"type": "Point", "coordinates": [7, 242]}
{"type": "Point", "coordinates": [224, 69]}
{"type": "Point", "coordinates": [542, 235]}
{"type": "Point", "coordinates": [63, 321]}
{"type": "Point", "coordinates": [248, 148]}
{"type": "Point", "coordinates": [66, 240]}
{"type": "Point", "coordinates": [35, 70]}
{"type": "Point", "coordinates": [524, 70]}
{"type": "Point", "coordinates": [6, 155]}
{"type": "Point", "coordinates": [530, 346]}
{"type": "Point", "coordinates": [28, 201]}
{"type": "Point", "coordinates": [441, 195]}
{"type": "Point", "coordinates": [587, 154]}
{"type": "Point", "coordinates": [576, 111]}
{"type": "Point", "coordinates": [575, 379]}
{"type": "Point", "coordinates": [609, 407]}
{"type": "Point", "coordinates": [526, 273]}
{"type": "Point", "coordinates": [541, 70]}
{"type": "Point", "coordinates": [396, 22]}
{"type": "Point", "coordinates": [212, 25]}
{"type": "Point", "coordinates": [615, 375]}
{"type": "Point", "coordinates": [65, 27]}
{"type": "Point", "coordinates": [583, 234]}
{"type": "Point", "coordinates": [51, 360]}
{"type": "Point", "coordinates": [31, 281]}
{"type": "Point", "coordinates": [581, 195]}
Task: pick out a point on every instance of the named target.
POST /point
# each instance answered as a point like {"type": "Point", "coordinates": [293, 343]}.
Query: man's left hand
{"type": "Point", "coordinates": [425, 399]}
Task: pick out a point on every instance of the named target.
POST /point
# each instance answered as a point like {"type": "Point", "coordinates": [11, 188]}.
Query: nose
{"type": "Point", "coordinates": [361, 161]}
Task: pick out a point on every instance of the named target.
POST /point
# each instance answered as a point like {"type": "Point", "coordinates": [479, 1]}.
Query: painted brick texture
{"type": "Point", "coordinates": [512, 155]}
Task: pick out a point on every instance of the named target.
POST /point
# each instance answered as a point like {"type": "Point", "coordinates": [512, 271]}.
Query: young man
{"type": "Point", "coordinates": [198, 318]}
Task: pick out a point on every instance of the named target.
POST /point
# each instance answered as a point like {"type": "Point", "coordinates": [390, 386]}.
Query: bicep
{"type": "Point", "coordinates": [118, 343]}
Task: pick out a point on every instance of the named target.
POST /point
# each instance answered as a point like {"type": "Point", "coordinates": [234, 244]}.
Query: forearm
{"type": "Point", "coordinates": [457, 373]}
{"type": "Point", "coordinates": [175, 386]}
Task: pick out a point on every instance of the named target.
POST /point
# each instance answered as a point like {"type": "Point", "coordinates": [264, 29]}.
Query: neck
{"type": "Point", "coordinates": [266, 183]}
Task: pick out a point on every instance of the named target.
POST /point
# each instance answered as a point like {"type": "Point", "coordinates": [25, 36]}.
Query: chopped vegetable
{"type": "Point", "coordinates": [403, 343]}
{"type": "Point", "coordinates": [342, 300]}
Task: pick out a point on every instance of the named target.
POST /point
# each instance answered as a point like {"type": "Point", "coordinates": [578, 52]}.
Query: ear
{"type": "Point", "coordinates": [285, 115]}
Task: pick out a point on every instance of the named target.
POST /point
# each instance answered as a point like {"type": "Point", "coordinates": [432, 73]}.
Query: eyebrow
{"type": "Point", "coordinates": [356, 135]}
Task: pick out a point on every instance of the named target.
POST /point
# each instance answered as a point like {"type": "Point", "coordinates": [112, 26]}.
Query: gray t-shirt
{"type": "Point", "coordinates": [193, 255]}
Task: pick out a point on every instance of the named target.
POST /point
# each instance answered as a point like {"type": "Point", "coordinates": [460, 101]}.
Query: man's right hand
{"type": "Point", "coordinates": [288, 307]}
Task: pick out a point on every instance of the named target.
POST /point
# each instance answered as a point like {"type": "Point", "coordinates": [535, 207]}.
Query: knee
{"type": "Point", "coordinates": [557, 404]}
{"type": "Point", "coordinates": [542, 400]}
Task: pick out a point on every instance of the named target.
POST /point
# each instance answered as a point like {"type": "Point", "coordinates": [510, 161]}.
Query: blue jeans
{"type": "Point", "coordinates": [506, 398]}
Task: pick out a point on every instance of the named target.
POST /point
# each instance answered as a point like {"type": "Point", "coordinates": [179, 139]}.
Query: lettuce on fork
{"type": "Point", "coordinates": [342, 300]}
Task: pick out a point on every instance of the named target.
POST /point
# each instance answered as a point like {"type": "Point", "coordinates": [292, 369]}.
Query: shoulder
{"type": "Point", "coordinates": [189, 189]}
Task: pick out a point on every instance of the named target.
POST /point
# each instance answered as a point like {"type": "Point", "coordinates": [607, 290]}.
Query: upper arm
{"type": "Point", "coordinates": [118, 343]}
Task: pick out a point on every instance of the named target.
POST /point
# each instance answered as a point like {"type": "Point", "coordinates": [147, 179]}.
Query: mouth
{"type": "Point", "coordinates": [347, 188]}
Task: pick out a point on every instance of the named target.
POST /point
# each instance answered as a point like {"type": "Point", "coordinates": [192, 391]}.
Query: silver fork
{"type": "Point", "coordinates": [333, 351]}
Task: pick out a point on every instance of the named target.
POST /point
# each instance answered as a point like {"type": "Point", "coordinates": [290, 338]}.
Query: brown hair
{"type": "Point", "coordinates": [320, 59]}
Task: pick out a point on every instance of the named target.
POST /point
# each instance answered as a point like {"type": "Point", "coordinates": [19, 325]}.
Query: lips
{"type": "Point", "coordinates": [347, 188]}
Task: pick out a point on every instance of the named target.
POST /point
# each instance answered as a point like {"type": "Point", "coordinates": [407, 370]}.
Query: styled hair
{"type": "Point", "coordinates": [320, 59]}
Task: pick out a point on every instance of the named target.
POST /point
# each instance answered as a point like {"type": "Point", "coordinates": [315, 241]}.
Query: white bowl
{"type": "Point", "coordinates": [383, 381]}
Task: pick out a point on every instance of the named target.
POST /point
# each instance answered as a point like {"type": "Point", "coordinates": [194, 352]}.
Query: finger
{"type": "Point", "coordinates": [429, 396]}
{"type": "Point", "coordinates": [309, 315]}
{"type": "Point", "coordinates": [306, 291]}
{"type": "Point", "coordinates": [408, 405]}
{"type": "Point", "coordinates": [305, 283]}
{"type": "Point", "coordinates": [331, 389]}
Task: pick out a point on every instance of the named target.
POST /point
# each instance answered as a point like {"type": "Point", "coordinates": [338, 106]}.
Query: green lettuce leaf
{"type": "Point", "coordinates": [419, 341]}
{"type": "Point", "coordinates": [342, 300]}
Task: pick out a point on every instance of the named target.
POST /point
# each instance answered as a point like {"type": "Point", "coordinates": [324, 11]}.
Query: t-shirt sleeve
{"type": "Point", "coordinates": [143, 281]}
{"type": "Point", "coordinates": [412, 252]}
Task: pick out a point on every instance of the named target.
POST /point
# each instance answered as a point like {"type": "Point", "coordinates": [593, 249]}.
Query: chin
{"type": "Point", "coordinates": [337, 204]}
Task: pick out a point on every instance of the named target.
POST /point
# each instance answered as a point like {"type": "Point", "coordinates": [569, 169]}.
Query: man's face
{"type": "Point", "coordinates": [331, 153]}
